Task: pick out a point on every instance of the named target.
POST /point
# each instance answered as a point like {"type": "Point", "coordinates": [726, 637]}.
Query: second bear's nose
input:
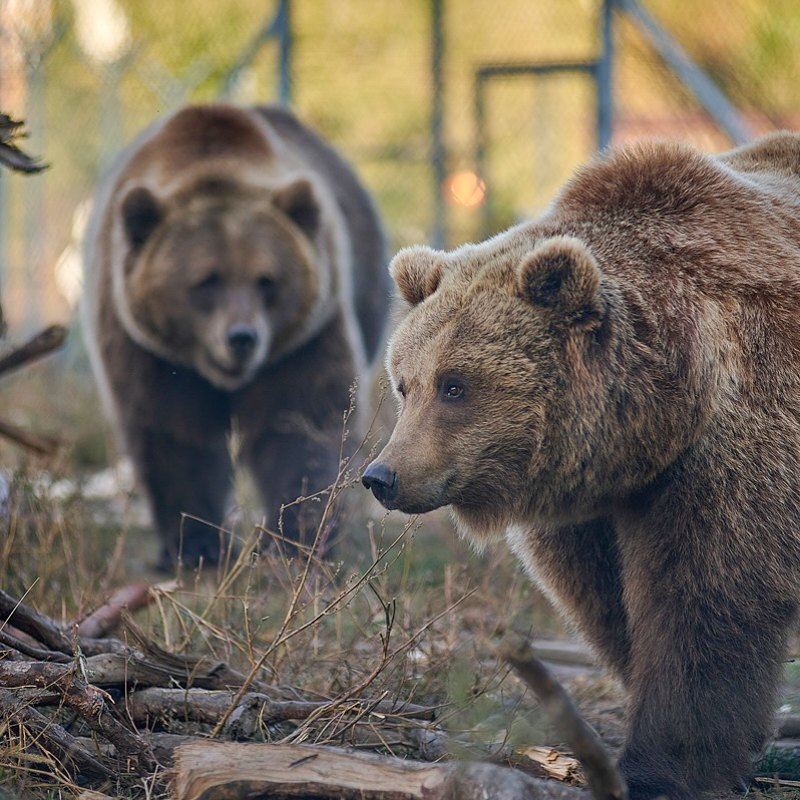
{"type": "Point", "coordinates": [242, 340]}
{"type": "Point", "coordinates": [381, 480]}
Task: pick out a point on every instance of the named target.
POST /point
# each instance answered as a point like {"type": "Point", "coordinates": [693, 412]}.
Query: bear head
{"type": "Point", "coordinates": [221, 276]}
{"type": "Point", "coordinates": [479, 364]}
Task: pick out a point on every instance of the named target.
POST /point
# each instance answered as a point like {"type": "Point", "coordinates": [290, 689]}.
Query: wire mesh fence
{"type": "Point", "coordinates": [88, 74]}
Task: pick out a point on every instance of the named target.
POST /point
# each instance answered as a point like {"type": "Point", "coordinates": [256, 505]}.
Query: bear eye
{"type": "Point", "coordinates": [401, 389]}
{"type": "Point", "coordinates": [268, 289]}
{"type": "Point", "coordinates": [203, 294]}
{"type": "Point", "coordinates": [452, 389]}
{"type": "Point", "coordinates": [210, 282]}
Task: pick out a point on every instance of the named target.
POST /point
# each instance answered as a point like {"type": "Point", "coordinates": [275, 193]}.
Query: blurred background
{"type": "Point", "coordinates": [462, 116]}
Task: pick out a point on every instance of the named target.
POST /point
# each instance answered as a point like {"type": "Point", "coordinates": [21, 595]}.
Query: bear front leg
{"type": "Point", "coordinates": [708, 636]}
{"type": "Point", "coordinates": [288, 468]}
{"type": "Point", "coordinates": [578, 565]}
{"type": "Point", "coordinates": [181, 479]}
{"type": "Point", "coordinates": [292, 421]}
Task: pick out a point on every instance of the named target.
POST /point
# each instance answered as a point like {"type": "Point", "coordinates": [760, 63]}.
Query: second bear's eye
{"type": "Point", "coordinates": [268, 289]}
{"type": "Point", "coordinates": [204, 293]}
{"type": "Point", "coordinates": [210, 282]}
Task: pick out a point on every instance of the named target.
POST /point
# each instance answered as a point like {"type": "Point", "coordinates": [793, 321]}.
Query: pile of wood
{"type": "Point", "coordinates": [97, 707]}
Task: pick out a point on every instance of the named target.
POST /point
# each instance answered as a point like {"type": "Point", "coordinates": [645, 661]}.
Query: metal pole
{"type": "Point", "coordinates": [34, 201]}
{"type": "Point", "coordinates": [283, 25]}
{"type": "Point", "coordinates": [480, 149]}
{"type": "Point", "coordinates": [439, 234]}
{"type": "Point", "coordinates": [704, 89]}
{"type": "Point", "coordinates": [604, 84]}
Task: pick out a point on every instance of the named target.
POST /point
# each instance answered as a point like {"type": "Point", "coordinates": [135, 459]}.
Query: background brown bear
{"type": "Point", "coordinates": [615, 388]}
{"type": "Point", "coordinates": [234, 270]}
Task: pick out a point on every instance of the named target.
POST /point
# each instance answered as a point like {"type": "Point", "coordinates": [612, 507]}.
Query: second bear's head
{"type": "Point", "coordinates": [226, 259]}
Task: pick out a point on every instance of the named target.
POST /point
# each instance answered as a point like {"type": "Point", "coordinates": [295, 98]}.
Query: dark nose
{"type": "Point", "coordinates": [381, 480]}
{"type": "Point", "coordinates": [242, 340]}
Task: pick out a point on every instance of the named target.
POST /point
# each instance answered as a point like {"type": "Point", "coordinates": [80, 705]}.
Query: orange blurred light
{"type": "Point", "coordinates": [466, 189]}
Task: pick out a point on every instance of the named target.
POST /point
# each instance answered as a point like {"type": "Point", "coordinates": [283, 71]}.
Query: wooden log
{"type": "Point", "coordinates": [42, 628]}
{"type": "Point", "coordinates": [87, 700]}
{"type": "Point", "coordinates": [53, 735]}
{"type": "Point", "coordinates": [788, 726]}
{"type": "Point", "coordinates": [252, 711]}
{"type": "Point", "coordinates": [225, 770]}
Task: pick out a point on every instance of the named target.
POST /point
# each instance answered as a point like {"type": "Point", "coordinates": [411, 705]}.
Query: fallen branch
{"type": "Point", "coordinates": [52, 734]}
{"type": "Point", "coordinates": [604, 779]}
{"type": "Point", "coordinates": [42, 628]}
{"type": "Point", "coordinates": [87, 700]}
{"type": "Point", "coordinates": [47, 341]}
{"type": "Point", "coordinates": [108, 616]}
{"type": "Point", "coordinates": [38, 443]}
{"type": "Point", "coordinates": [251, 711]}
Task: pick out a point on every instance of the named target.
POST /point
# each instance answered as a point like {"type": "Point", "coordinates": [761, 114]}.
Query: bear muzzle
{"type": "Point", "coordinates": [382, 482]}
{"type": "Point", "coordinates": [242, 340]}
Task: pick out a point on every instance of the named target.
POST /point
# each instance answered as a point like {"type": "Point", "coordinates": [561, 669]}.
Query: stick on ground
{"type": "Point", "coordinates": [605, 780]}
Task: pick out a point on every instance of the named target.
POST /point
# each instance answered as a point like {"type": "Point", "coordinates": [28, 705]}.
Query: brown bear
{"type": "Point", "coordinates": [235, 274]}
{"type": "Point", "coordinates": [615, 389]}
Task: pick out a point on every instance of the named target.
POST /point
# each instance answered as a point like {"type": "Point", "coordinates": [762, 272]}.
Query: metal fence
{"type": "Point", "coordinates": [462, 116]}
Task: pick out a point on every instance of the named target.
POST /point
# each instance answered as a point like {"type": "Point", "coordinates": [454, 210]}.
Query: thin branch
{"type": "Point", "coordinates": [605, 780]}
{"type": "Point", "coordinates": [40, 345]}
{"type": "Point", "coordinates": [38, 443]}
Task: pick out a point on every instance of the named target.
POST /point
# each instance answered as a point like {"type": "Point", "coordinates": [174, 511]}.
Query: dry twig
{"type": "Point", "coordinates": [604, 779]}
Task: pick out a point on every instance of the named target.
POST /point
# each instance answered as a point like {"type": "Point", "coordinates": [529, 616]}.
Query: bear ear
{"type": "Point", "coordinates": [141, 214]}
{"type": "Point", "coordinates": [417, 272]}
{"type": "Point", "coordinates": [561, 274]}
{"type": "Point", "coordinates": [298, 202]}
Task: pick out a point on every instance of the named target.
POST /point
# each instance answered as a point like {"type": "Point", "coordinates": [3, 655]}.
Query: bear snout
{"type": "Point", "coordinates": [381, 481]}
{"type": "Point", "coordinates": [242, 340]}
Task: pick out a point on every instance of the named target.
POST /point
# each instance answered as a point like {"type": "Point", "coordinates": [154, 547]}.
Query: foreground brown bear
{"type": "Point", "coordinates": [615, 388]}
{"type": "Point", "coordinates": [234, 271]}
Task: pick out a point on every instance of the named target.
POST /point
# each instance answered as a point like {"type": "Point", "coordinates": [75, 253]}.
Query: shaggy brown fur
{"type": "Point", "coordinates": [234, 271]}
{"type": "Point", "coordinates": [615, 388]}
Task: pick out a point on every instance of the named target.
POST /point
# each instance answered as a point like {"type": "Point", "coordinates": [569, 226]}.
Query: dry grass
{"type": "Point", "coordinates": [404, 612]}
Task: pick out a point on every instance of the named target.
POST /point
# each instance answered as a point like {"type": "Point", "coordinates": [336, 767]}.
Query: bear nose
{"type": "Point", "coordinates": [381, 480]}
{"type": "Point", "coordinates": [242, 340]}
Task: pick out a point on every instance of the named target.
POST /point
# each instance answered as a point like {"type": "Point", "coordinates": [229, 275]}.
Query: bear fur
{"type": "Point", "coordinates": [615, 389]}
{"type": "Point", "coordinates": [234, 274]}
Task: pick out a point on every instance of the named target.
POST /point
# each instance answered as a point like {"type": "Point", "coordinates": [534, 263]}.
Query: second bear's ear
{"type": "Point", "coordinates": [141, 213]}
{"type": "Point", "coordinates": [417, 272]}
{"type": "Point", "coordinates": [298, 202]}
{"type": "Point", "coordinates": [561, 274]}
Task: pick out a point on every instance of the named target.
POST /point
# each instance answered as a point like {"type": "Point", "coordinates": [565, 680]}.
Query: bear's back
{"type": "Point", "coordinates": [371, 287]}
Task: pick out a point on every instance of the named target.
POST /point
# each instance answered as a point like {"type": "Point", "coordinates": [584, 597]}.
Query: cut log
{"type": "Point", "coordinates": [224, 770]}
